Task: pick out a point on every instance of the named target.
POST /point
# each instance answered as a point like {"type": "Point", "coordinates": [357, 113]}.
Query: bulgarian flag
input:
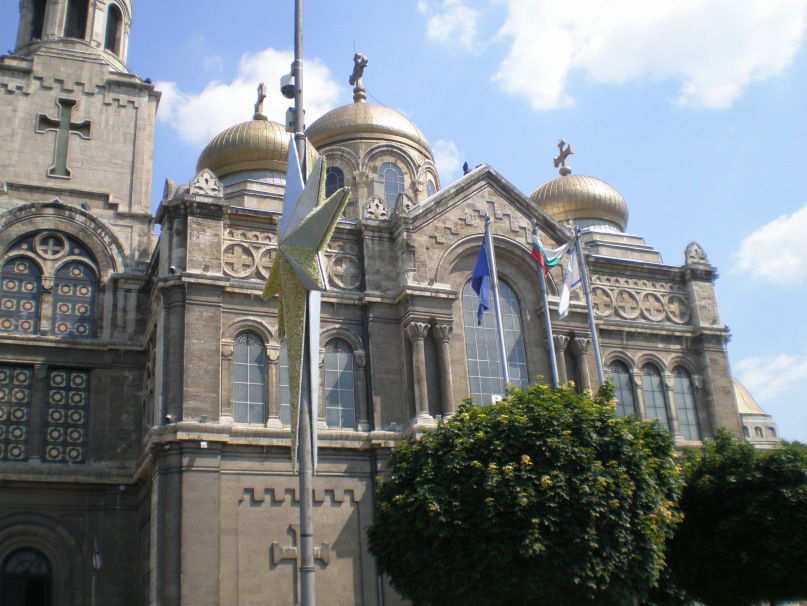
{"type": "Point", "coordinates": [547, 257]}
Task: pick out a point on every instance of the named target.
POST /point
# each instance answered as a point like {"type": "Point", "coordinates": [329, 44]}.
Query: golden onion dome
{"type": "Point", "coordinates": [362, 120]}
{"type": "Point", "coordinates": [258, 144]}
{"type": "Point", "coordinates": [581, 197]}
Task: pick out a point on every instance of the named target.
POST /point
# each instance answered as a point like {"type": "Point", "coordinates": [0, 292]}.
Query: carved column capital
{"type": "Point", "coordinates": [580, 345]}
{"type": "Point", "coordinates": [638, 377]}
{"type": "Point", "coordinates": [417, 331]}
{"type": "Point", "coordinates": [669, 379]}
{"type": "Point", "coordinates": [359, 358]}
{"type": "Point", "coordinates": [561, 342]}
{"type": "Point", "coordinates": [227, 350]}
{"type": "Point", "coordinates": [442, 332]}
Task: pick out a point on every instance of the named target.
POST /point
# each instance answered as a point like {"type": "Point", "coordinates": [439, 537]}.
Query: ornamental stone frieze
{"type": "Point", "coordinates": [248, 254]}
{"type": "Point", "coordinates": [639, 300]}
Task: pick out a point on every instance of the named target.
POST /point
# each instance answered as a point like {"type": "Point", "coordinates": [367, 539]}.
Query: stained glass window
{"type": "Point", "coordinates": [283, 387]}
{"type": "Point", "coordinates": [74, 301]}
{"type": "Point", "coordinates": [19, 296]}
{"type": "Point", "coordinates": [66, 416]}
{"type": "Point", "coordinates": [340, 400]}
{"type": "Point", "coordinates": [393, 182]}
{"type": "Point", "coordinates": [623, 388]}
{"type": "Point", "coordinates": [334, 179]}
{"type": "Point", "coordinates": [16, 385]}
{"type": "Point", "coordinates": [249, 380]}
{"type": "Point", "coordinates": [685, 405]}
{"type": "Point", "coordinates": [482, 348]}
{"type": "Point", "coordinates": [655, 402]}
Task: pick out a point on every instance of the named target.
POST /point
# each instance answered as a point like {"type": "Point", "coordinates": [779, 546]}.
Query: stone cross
{"type": "Point", "coordinates": [359, 63]}
{"type": "Point", "coordinates": [63, 127]}
{"type": "Point", "coordinates": [566, 150]}
{"type": "Point", "coordinates": [238, 259]}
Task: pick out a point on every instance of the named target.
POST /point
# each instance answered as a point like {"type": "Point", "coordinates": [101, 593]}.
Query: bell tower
{"type": "Point", "coordinates": [99, 26]}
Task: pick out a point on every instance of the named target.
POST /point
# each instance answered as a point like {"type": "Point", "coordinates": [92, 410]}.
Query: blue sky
{"type": "Point", "coordinates": [693, 110]}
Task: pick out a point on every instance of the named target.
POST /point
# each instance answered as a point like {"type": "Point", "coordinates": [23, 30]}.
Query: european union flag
{"type": "Point", "coordinates": [480, 281]}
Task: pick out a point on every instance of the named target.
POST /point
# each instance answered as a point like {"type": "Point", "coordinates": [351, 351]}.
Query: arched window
{"type": "Point", "coordinates": [482, 349]}
{"type": "Point", "coordinates": [431, 188]}
{"type": "Point", "coordinates": [283, 386]}
{"type": "Point", "coordinates": [746, 432]}
{"type": "Point", "coordinates": [655, 403]}
{"type": "Point", "coordinates": [340, 398]}
{"type": "Point", "coordinates": [393, 178]}
{"type": "Point", "coordinates": [75, 25]}
{"type": "Point", "coordinates": [37, 18]}
{"type": "Point", "coordinates": [26, 578]}
{"type": "Point", "coordinates": [623, 388]}
{"type": "Point", "coordinates": [249, 379]}
{"type": "Point", "coordinates": [114, 21]}
{"type": "Point", "coordinates": [20, 281]}
{"type": "Point", "coordinates": [16, 387]}
{"type": "Point", "coordinates": [758, 432]}
{"type": "Point", "coordinates": [772, 432]}
{"type": "Point", "coordinates": [74, 301]}
{"type": "Point", "coordinates": [685, 405]}
{"type": "Point", "coordinates": [334, 180]}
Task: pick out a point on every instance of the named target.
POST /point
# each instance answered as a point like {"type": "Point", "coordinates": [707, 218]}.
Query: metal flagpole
{"type": "Point", "coordinates": [553, 361]}
{"type": "Point", "coordinates": [581, 260]}
{"type": "Point", "coordinates": [307, 422]}
{"type": "Point", "coordinates": [494, 282]}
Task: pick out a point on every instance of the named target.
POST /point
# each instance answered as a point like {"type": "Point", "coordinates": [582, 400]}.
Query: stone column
{"type": "Point", "coordinates": [360, 390]}
{"type": "Point", "coordinates": [442, 335]}
{"type": "Point", "coordinates": [416, 332]}
{"type": "Point", "coordinates": [579, 349]}
{"type": "Point", "coordinates": [675, 428]}
{"type": "Point", "coordinates": [226, 411]}
{"type": "Point", "coordinates": [561, 342]}
{"type": "Point", "coordinates": [638, 394]}
{"type": "Point", "coordinates": [273, 386]}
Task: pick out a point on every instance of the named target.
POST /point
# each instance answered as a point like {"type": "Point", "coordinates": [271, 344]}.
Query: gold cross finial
{"type": "Point", "coordinates": [359, 63]}
{"type": "Point", "coordinates": [259, 103]}
{"type": "Point", "coordinates": [566, 150]}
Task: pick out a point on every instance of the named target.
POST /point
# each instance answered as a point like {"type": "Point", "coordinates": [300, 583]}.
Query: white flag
{"type": "Point", "coordinates": [571, 280]}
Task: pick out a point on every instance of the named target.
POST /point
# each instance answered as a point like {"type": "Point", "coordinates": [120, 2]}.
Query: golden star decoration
{"type": "Point", "coordinates": [306, 226]}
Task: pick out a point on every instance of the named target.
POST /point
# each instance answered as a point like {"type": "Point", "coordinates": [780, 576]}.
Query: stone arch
{"type": "Point", "coordinates": [429, 169]}
{"type": "Point", "coordinates": [99, 239]}
{"type": "Point", "coordinates": [339, 332]}
{"type": "Point", "coordinates": [56, 542]}
{"type": "Point", "coordinates": [371, 154]}
{"type": "Point", "coordinates": [685, 363]}
{"type": "Point", "coordinates": [250, 324]}
{"type": "Point", "coordinates": [344, 155]}
{"type": "Point", "coordinates": [620, 356]}
{"type": "Point", "coordinates": [654, 359]}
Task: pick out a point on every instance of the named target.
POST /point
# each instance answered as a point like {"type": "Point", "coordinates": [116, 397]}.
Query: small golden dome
{"type": "Point", "coordinates": [746, 404]}
{"type": "Point", "coordinates": [582, 197]}
{"type": "Point", "coordinates": [258, 144]}
{"type": "Point", "coordinates": [366, 121]}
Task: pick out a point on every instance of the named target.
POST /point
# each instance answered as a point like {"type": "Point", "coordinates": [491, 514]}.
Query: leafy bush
{"type": "Point", "coordinates": [544, 498]}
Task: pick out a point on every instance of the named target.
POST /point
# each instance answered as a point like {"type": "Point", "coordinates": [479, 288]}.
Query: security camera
{"type": "Point", "coordinates": [287, 86]}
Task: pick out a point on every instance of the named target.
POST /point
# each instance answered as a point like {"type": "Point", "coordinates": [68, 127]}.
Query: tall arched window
{"type": "Point", "coordinates": [393, 178]}
{"type": "Point", "coordinates": [249, 379]}
{"type": "Point", "coordinates": [685, 405]}
{"type": "Point", "coordinates": [284, 403]}
{"type": "Point", "coordinates": [758, 432]}
{"type": "Point", "coordinates": [623, 388]}
{"type": "Point", "coordinates": [74, 301]}
{"type": "Point", "coordinates": [482, 349]}
{"type": "Point", "coordinates": [431, 188]}
{"type": "Point", "coordinates": [340, 398]}
{"type": "Point", "coordinates": [20, 281]}
{"type": "Point", "coordinates": [655, 403]}
{"type": "Point", "coordinates": [114, 21]}
{"type": "Point", "coordinates": [16, 388]}
{"type": "Point", "coordinates": [26, 578]}
{"type": "Point", "coordinates": [37, 18]}
{"type": "Point", "coordinates": [334, 180]}
{"type": "Point", "coordinates": [75, 25]}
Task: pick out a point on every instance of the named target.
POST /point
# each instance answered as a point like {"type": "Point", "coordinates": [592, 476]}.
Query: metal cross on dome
{"type": "Point", "coordinates": [306, 226]}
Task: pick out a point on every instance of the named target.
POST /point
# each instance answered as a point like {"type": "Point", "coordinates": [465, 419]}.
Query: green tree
{"type": "Point", "coordinates": [544, 498]}
{"type": "Point", "coordinates": [743, 539]}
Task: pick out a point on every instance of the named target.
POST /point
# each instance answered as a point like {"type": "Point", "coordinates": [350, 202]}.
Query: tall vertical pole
{"type": "Point", "coordinates": [305, 443]}
{"type": "Point", "coordinates": [595, 341]}
{"type": "Point", "coordinates": [497, 306]}
{"type": "Point", "coordinates": [550, 341]}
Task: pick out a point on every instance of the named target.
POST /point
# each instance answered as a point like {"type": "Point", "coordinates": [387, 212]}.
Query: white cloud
{"type": "Point", "coordinates": [768, 378]}
{"type": "Point", "coordinates": [448, 160]}
{"type": "Point", "coordinates": [713, 48]}
{"type": "Point", "coordinates": [782, 245]}
{"type": "Point", "coordinates": [198, 117]}
{"type": "Point", "coordinates": [451, 21]}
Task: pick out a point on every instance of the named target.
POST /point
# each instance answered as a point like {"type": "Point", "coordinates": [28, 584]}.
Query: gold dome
{"type": "Point", "coordinates": [746, 404]}
{"type": "Point", "coordinates": [366, 121]}
{"type": "Point", "coordinates": [258, 144]}
{"type": "Point", "coordinates": [582, 197]}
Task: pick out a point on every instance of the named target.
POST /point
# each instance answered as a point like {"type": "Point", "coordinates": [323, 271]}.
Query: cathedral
{"type": "Point", "coordinates": [144, 399]}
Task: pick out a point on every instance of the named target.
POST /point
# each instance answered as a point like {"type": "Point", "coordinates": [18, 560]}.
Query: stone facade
{"type": "Point", "coordinates": [142, 432]}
